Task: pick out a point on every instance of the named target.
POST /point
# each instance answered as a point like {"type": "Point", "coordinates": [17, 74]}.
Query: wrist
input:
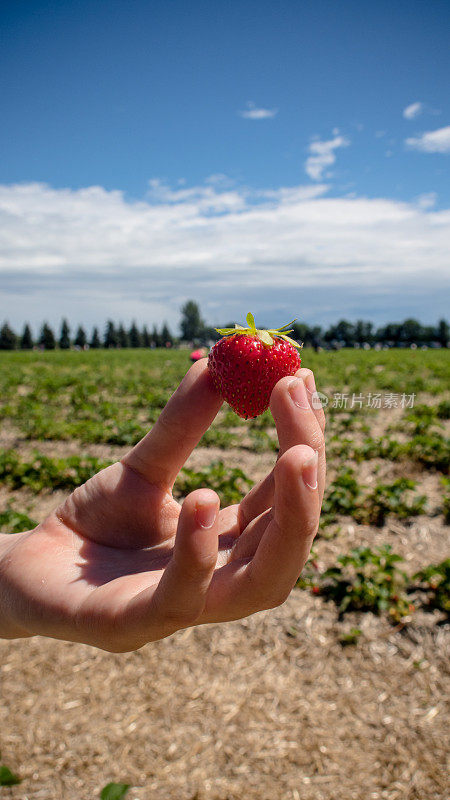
{"type": "Point", "coordinates": [10, 627]}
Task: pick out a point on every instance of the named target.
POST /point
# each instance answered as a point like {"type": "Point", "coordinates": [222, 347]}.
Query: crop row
{"type": "Point", "coordinates": [371, 580]}
{"type": "Point", "coordinates": [42, 471]}
{"type": "Point", "coordinates": [344, 495]}
{"type": "Point", "coordinates": [432, 450]}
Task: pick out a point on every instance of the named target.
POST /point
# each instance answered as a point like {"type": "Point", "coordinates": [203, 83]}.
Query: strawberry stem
{"type": "Point", "coordinates": [265, 336]}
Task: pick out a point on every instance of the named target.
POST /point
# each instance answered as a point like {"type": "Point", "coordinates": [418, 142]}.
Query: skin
{"type": "Point", "coordinates": [122, 563]}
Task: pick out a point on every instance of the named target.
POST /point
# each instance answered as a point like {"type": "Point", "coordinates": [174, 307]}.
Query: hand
{"type": "Point", "coordinates": [121, 563]}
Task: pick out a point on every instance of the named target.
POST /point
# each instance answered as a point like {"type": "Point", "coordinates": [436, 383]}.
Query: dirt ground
{"type": "Point", "coordinates": [273, 707]}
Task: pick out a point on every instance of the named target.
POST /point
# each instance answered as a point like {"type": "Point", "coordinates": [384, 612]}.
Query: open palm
{"type": "Point", "coordinates": [122, 563]}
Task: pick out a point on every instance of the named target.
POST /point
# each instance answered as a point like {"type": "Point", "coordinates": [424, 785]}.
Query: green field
{"type": "Point", "coordinates": [113, 396]}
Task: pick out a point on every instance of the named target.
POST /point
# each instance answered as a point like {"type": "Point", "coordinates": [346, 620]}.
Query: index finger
{"type": "Point", "coordinates": [160, 455]}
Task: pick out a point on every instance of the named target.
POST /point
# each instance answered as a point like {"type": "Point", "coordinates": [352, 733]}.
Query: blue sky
{"type": "Point", "coordinates": [229, 143]}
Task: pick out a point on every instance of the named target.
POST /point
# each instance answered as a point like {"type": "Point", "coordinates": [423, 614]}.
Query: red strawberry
{"type": "Point", "coordinates": [247, 363]}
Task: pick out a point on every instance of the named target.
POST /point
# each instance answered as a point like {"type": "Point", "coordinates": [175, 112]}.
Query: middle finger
{"type": "Point", "coordinates": [296, 421]}
{"type": "Point", "coordinates": [295, 425]}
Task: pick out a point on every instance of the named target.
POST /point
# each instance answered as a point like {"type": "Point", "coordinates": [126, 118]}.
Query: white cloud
{"type": "Point", "coordinates": [90, 254]}
{"type": "Point", "coordinates": [253, 112]}
{"type": "Point", "coordinates": [413, 110]}
{"type": "Point", "coordinates": [220, 179]}
{"type": "Point", "coordinates": [322, 155]}
{"type": "Point", "coordinates": [431, 141]}
{"type": "Point", "coordinates": [427, 200]}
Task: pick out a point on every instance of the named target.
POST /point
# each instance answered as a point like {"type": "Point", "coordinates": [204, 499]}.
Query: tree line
{"type": "Point", "coordinates": [194, 330]}
{"type": "Point", "coordinates": [342, 334]}
{"type": "Point", "coordinates": [114, 336]}
{"type": "Point", "coordinates": [360, 333]}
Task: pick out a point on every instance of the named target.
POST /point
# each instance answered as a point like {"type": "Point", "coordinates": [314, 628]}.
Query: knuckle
{"type": "Point", "coordinates": [311, 528]}
{"type": "Point", "coordinates": [107, 631]}
{"type": "Point", "coordinates": [173, 615]}
{"type": "Point", "coordinates": [304, 372]}
{"type": "Point", "coordinates": [322, 419]}
{"type": "Point", "coordinates": [169, 424]}
{"type": "Point", "coordinates": [264, 598]}
{"type": "Point", "coordinates": [193, 566]}
{"type": "Point", "coordinates": [317, 440]}
{"type": "Point", "coordinates": [177, 618]}
{"type": "Point", "coordinates": [278, 597]}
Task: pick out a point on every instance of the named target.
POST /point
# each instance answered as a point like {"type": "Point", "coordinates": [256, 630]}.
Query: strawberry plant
{"type": "Point", "coordinates": [443, 409]}
{"type": "Point", "coordinates": [434, 581]}
{"type": "Point", "coordinates": [341, 496]}
{"type": "Point", "coordinates": [12, 521]}
{"type": "Point", "coordinates": [261, 442]}
{"type": "Point", "coordinates": [351, 637]}
{"type": "Point", "coordinates": [114, 791]}
{"type": "Point", "coordinates": [431, 450]}
{"type": "Point", "coordinates": [8, 778]}
{"type": "Point", "coordinates": [265, 420]}
{"type": "Point", "coordinates": [389, 499]}
{"type": "Point", "coordinates": [42, 471]}
{"type": "Point", "coordinates": [230, 484]}
{"type": "Point", "coordinates": [365, 580]}
{"type": "Point", "coordinates": [216, 437]}
{"type": "Point", "coordinates": [446, 500]}
{"type": "Point", "coordinates": [422, 417]}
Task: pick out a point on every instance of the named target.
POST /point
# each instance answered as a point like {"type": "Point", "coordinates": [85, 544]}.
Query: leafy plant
{"type": "Point", "coordinates": [42, 471]}
{"type": "Point", "coordinates": [230, 484]}
{"type": "Point", "coordinates": [217, 437]}
{"type": "Point", "coordinates": [262, 422]}
{"type": "Point", "coordinates": [446, 500]}
{"type": "Point", "coordinates": [422, 417]}
{"type": "Point", "coordinates": [431, 450]}
{"type": "Point", "coordinates": [365, 580]}
{"type": "Point", "coordinates": [435, 582]}
{"type": "Point", "coordinates": [13, 521]}
{"type": "Point", "coordinates": [341, 496]}
{"type": "Point", "coordinates": [345, 496]}
{"type": "Point", "coordinates": [114, 791]}
{"type": "Point", "coordinates": [351, 637]}
{"type": "Point", "coordinates": [389, 498]}
{"type": "Point", "coordinates": [443, 409]}
{"type": "Point", "coordinates": [261, 442]}
{"type": "Point", "coordinates": [8, 778]}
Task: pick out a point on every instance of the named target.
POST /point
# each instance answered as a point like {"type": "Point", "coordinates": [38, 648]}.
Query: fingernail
{"type": "Point", "coordinates": [309, 471]}
{"type": "Point", "coordinates": [206, 515]}
{"type": "Point", "coordinates": [297, 390]}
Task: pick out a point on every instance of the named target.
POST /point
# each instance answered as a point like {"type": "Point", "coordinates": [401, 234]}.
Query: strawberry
{"type": "Point", "coordinates": [247, 363]}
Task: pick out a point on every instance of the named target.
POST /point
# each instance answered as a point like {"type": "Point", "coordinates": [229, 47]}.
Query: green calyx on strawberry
{"type": "Point", "coordinates": [246, 364]}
